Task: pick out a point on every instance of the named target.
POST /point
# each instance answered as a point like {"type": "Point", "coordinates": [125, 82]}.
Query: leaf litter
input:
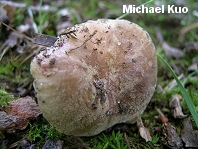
{"type": "Point", "coordinates": [18, 114]}
{"type": "Point", "coordinates": [13, 118]}
{"type": "Point", "coordinates": [189, 135]}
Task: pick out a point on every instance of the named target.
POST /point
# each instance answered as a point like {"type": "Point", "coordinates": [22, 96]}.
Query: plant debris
{"type": "Point", "coordinates": [172, 138]}
{"type": "Point", "coordinates": [162, 118]}
{"type": "Point", "coordinates": [175, 40]}
{"type": "Point", "coordinates": [44, 40]}
{"type": "Point", "coordinates": [18, 113]}
{"type": "Point", "coordinates": [194, 66]}
{"type": "Point", "coordinates": [169, 50]}
{"type": "Point", "coordinates": [175, 106]}
{"type": "Point", "coordinates": [188, 135]}
{"type": "Point", "coordinates": [144, 132]}
{"type": "Point", "coordinates": [53, 144]}
{"type": "Point", "coordinates": [10, 122]}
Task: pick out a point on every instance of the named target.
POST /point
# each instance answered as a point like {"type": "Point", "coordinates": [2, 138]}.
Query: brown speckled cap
{"type": "Point", "coordinates": [104, 76]}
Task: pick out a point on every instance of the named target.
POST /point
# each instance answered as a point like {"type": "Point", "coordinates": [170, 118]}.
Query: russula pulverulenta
{"type": "Point", "coordinates": [104, 76]}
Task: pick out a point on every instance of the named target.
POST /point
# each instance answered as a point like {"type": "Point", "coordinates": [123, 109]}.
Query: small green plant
{"type": "Point", "coordinates": [41, 19]}
{"type": "Point", "coordinates": [39, 132]}
{"type": "Point", "coordinates": [115, 141]}
{"type": "Point", "coordinates": [5, 98]}
{"type": "Point", "coordinates": [36, 132]}
{"type": "Point", "coordinates": [53, 133]}
{"type": "Point", "coordinates": [8, 68]}
{"type": "Point", "coordinates": [19, 17]}
{"type": "Point", "coordinates": [154, 141]}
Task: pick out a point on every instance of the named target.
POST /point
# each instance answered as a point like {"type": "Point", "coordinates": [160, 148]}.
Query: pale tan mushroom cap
{"type": "Point", "coordinates": [104, 77]}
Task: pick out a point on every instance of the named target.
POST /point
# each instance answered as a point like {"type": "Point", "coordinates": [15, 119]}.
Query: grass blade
{"type": "Point", "coordinates": [186, 96]}
{"type": "Point", "coordinates": [40, 17]}
{"type": "Point", "coordinates": [32, 19]}
{"type": "Point", "coordinates": [126, 14]}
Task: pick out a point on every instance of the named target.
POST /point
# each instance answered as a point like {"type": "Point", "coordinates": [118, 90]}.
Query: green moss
{"type": "Point", "coordinates": [5, 98]}
{"type": "Point", "coordinates": [53, 133]}
{"type": "Point", "coordinates": [8, 68]}
{"type": "Point", "coordinates": [113, 141]}
{"type": "Point", "coordinates": [39, 132]}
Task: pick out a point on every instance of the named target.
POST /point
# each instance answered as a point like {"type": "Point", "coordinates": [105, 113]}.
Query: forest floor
{"type": "Point", "coordinates": [175, 36]}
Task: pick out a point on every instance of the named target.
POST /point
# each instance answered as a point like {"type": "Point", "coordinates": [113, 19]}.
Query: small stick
{"type": "Point", "coordinates": [90, 36]}
{"type": "Point", "coordinates": [28, 38]}
{"type": "Point", "coordinates": [127, 140]}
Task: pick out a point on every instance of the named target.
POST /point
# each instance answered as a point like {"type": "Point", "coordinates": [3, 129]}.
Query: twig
{"type": "Point", "coordinates": [90, 36]}
{"type": "Point", "coordinates": [29, 56]}
{"type": "Point", "coordinates": [127, 140]}
{"type": "Point", "coordinates": [160, 113]}
{"type": "Point", "coordinates": [187, 29]}
{"type": "Point", "coordinates": [28, 38]}
{"type": "Point", "coordinates": [162, 117]}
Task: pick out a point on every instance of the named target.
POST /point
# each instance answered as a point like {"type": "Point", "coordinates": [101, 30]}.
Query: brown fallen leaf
{"type": "Point", "coordinates": [6, 11]}
{"type": "Point", "coordinates": [175, 106]}
{"type": "Point", "coordinates": [18, 113]}
{"type": "Point", "coordinates": [194, 66]}
{"type": "Point", "coordinates": [172, 51]}
{"type": "Point", "coordinates": [169, 50]}
{"type": "Point", "coordinates": [186, 29]}
{"type": "Point", "coordinates": [53, 144]}
{"type": "Point", "coordinates": [188, 135]}
{"type": "Point", "coordinates": [10, 122]}
{"type": "Point", "coordinates": [144, 132]}
{"type": "Point", "coordinates": [25, 108]}
{"type": "Point", "coordinates": [44, 40]}
{"type": "Point", "coordinates": [173, 83]}
{"type": "Point", "coordinates": [14, 39]}
{"type": "Point", "coordinates": [65, 20]}
{"type": "Point", "coordinates": [172, 138]}
{"type": "Point", "coordinates": [191, 46]}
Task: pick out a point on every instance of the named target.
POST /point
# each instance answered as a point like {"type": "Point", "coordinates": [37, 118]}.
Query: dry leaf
{"type": "Point", "coordinates": [172, 138]}
{"type": "Point", "coordinates": [172, 51]}
{"type": "Point", "coordinates": [169, 50]}
{"type": "Point", "coordinates": [10, 122]}
{"type": "Point", "coordinates": [191, 46]}
{"type": "Point", "coordinates": [173, 83]}
{"type": "Point", "coordinates": [194, 66]}
{"type": "Point", "coordinates": [18, 113]}
{"type": "Point", "coordinates": [25, 108]}
{"type": "Point", "coordinates": [144, 132]}
{"type": "Point", "coordinates": [175, 106]}
{"type": "Point", "coordinates": [6, 11]}
{"type": "Point", "coordinates": [65, 20]}
{"type": "Point", "coordinates": [188, 135]}
{"type": "Point", "coordinates": [53, 144]}
{"type": "Point", "coordinates": [44, 40]}
{"type": "Point", "coordinates": [186, 29]}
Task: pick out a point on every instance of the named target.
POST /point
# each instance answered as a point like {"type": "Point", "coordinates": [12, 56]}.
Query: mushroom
{"type": "Point", "coordinates": [99, 73]}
